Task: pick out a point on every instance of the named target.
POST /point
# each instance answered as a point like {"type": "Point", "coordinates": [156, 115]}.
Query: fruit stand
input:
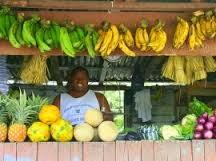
{"type": "Point", "coordinates": [129, 13]}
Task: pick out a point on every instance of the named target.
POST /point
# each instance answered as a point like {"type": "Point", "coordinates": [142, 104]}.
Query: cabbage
{"type": "Point", "coordinates": [169, 132]}
{"type": "Point", "coordinates": [189, 119]}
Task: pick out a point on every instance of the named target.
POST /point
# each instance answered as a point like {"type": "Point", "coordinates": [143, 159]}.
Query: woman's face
{"type": "Point", "coordinates": [79, 81]}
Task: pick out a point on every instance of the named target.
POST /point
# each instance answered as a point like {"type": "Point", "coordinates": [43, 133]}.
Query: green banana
{"type": "Point", "coordinates": [54, 36]}
{"type": "Point", "coordinates": [12, 35]}
{"type": "Point", "coordinates": [80, 32]}
{"type": "Point", "coordinates": [65, 42]}
{"type": "Point", "coordinates": [7, 24]}
{"type": "Point", "coordinates": [19, 36]}
{"type": "Point", "coordinates": [43, 47]}
{"type": "Point", "coordinates": [95, 37]}
{"type": "Point", "coordinates": [48, 37]}
{"type": "Point", "coordinates": [74, 37]}
{"type": "Point", "coordinates": [57, 33]}
{"type": "Point", "coordinates": [2, 24]}
{"type": "Point", "coordinates": [26, 32]}
{"type": "Point", "coordinates": [89, 45]}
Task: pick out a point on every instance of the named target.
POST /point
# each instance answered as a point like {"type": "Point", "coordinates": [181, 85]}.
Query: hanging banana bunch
{"type": "Point", "coordinates": [141, 36]}
{"type": "Point", "coordinates": [158, 37]}
{"type": "Point", "coordinates": [90, 40]}
{"type": "Point", "coordinates": [65, 42]}
{"type": "Point", "coordinates": [194, 39]}
{"type": "Point", "coordinates": [122, 44]}
{"type": "Point", "coordinates": [30, 27]}
{"type": "Point", "coordinates": [42, 38]}
{"type": "Point", "coordinates": [7, 18]}
{"type": "Point", "coordinates": [15, 32]}
{"type": "Point", "coordinates": [181, 33]}
{"type": "Point", "coordinates": [108, 39]}
{"type": "Point", "coordinates": [55, 33]}
{"type": "Point", "coordinates": [77, 37]}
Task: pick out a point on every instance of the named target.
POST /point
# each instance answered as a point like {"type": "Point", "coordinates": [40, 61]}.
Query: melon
{"type": "Point", "coordinates": [93, 117]}
{"type": "Point", "coordinates": [107, 131]}
{"type": "Point", "coordinates": [83, 132]}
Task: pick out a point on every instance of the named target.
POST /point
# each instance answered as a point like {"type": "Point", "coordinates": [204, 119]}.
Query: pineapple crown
{"type": "Point", "coordinates": [25, 109]}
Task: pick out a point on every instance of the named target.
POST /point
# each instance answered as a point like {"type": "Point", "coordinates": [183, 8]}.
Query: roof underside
{"type": "Point", "coordinates": [99, 69]}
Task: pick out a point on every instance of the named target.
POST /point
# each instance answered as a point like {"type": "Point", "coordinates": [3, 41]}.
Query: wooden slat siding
{"type": "Point", "coordinates": [147, 150]}
{"type": "Point", "coordinates": [64, 151]}
{"type": "Point", "coordinates": [198, 150]}
{"type": "Point", "coordinates": [109, 151]}
{"type": "Point", "coordinates": [48, 151]}
{"type": "Point", "coordinates": [1, 151]}
{"type": "Point", "coordinates": [27, 151]}
{"type": "Point", "coordinates": [9, 151]}
{"type": "Point", "coordinates": [186, 150]}
{"type": "Point", "coordinates": [93, 151]}
{"type": "Point", "coordinates": [173, 151]}
{"type": "Point", "coordinates": [121, 151]}
{"type": "Point", "coordinates": [106, 5]}
{"type": "Point", "coordinates": [210, 150]}
{"type": "Point", "coordinates": [76, 151]}
{"type": "Point", "coordinates": [160, 151]}
{"type": "Point", "coordinates": [116, 18]}
{"type": "Point", "coordinates": [134, 150]}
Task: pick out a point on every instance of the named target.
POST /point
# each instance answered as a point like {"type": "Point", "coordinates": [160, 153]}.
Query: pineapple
{"type": "Point", "coordinates": [3, 118]}
{"type": "Point", "coordinates": [21, 114]}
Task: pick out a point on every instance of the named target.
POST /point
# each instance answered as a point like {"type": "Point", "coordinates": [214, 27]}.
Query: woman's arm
{"type": "Point", "coordinates": [104, 104]}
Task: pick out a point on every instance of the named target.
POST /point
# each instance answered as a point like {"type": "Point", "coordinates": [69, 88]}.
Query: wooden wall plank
{"type": "Point", "coordinates": [27, 151]}
{"type": "Point", "coordinates": [160, 152]}
{"type": "Point", "coordinates": [121, 151]}
{"type": "Point", "coordinates": [109, 151]}
{"type": "Point", "coordinates": [9, 151]}
{"type": "Point", "coordinates": [134, 150]}
{"type": "Point", "coordinates": [173, 151]}
{"type": "Point", "coordinates": [130, 19]}
{"type": "Point", "coordinates": [198, 150]}
{"type": "Point", "coordinates": [147, 150]}
{"type": "Point", "coordinates": [93, 151]}
{"type": "Point", "coordinates": [1, 151]}
{"type": "Point", "coordinates": [210, 150]}
{"type": "Point", "coordinates": [186, 150]}
{"type": "Point", "coordinates": [76, 151]}
{"type": "Point", "coordinates": [64, 151]}
{"type": "Point", "coordinates": [48, 151]}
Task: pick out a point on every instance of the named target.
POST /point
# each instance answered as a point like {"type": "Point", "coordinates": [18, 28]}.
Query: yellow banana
{"type": "Point", "coordinates": [163, 39]}
{"type": "Point", "coordinates": [100, 40]}
{"type": "Point", "coordinates": [198, 31]}
{"type": "Point", "coordinates": [146, 37]}
{"type": "Point", "coordinates": [124, 47]}
{"type": "Point", "coordinates": [192, 37]}
{"type": "Point", "coordinates": [208, 23]}
{"type": "Point", "coordinates": [128, 39]}
{"type": "Point", "coordinates": [203, 25]}
{"type": "Point", "coordinates": [106, 41]}
{"type": "Point", "coordinates": [137, 39]}
{"type": "Point", "coordinates": [181, 33]}
{"type": "Point", "coordinates": [115, 38]}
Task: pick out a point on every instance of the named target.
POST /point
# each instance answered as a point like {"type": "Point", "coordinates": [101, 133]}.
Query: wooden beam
{"type": "Point", "coordinates": [129, 5]}
{"type": "Point", "coordinates": [130, 19]}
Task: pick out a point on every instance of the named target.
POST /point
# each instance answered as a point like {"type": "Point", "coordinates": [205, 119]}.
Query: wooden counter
{"type": "Point", "coordinates": [196, 150]}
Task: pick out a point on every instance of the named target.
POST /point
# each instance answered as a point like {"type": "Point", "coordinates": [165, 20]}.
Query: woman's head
{"type": "Point", "coordinates": [78, 79]}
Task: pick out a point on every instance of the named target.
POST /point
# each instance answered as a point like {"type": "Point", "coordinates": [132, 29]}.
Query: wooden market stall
{"type": "Point", "coordinates": [128, 12]}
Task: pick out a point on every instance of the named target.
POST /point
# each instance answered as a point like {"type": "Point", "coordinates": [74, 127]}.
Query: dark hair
{"type": "Point", "coordinates": [76, 70]}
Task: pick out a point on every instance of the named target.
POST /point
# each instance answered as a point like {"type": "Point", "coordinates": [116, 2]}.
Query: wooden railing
{"type": "Point", "coordinates": [196, 150]}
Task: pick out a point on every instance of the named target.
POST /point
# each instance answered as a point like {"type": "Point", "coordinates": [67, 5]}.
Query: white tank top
{"type": "Point", "coordinates": [73, 109]}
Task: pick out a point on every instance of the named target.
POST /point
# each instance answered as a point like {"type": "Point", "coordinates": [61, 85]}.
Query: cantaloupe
{"type": "Point", "coordinates": [83, 132]}
{"type": "Point", "coordinates": [93, 117]}
{"type": "Point", "coordinates": [107, 131]}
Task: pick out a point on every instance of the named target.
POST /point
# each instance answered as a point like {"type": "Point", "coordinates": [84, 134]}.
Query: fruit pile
{"type": "Point", "coordinates": [33, 118]}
